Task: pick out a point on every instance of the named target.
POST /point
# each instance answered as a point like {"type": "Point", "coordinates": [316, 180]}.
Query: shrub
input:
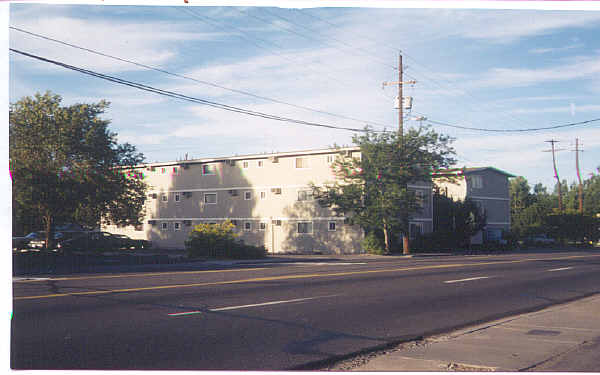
{"type": "Point", "coordinates": [219, 241]}
{"type": "Point", "coordinates": [373, 244]}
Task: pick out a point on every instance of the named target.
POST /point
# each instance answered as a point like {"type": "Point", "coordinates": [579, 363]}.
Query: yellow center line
{"type": "Point", "coordinates": [291, 277]}
{"type": "Point", "coordinates": [135, 275]}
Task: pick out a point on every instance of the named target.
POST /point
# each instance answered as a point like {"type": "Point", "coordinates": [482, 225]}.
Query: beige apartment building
{"type": "Point", "coordinates": [267, 197]}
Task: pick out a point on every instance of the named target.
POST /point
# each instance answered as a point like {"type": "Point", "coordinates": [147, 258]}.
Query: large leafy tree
{"type": "Point", "coordinates": [373, 189]}
{"type": "Point", "coordinates": [67, 166]}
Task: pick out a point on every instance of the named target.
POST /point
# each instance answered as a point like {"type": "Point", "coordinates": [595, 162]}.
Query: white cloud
{"type": "Point", "coordinates": [554, 49]}
{"type": "Point", "coordinates": [148, 43]}
{"type": "Point", "coordinates": [582, 67]}
{"type": "Point", "coordinates": [570, 108]}
{"type": "Point", "coordinates": [508, 26]}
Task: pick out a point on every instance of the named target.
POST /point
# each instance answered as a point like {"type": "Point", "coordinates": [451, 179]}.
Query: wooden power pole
{"type": "Point", "coordinates": [553, 150]}
{"type": "Point", "coordinates": [400, 83]}
{"type": "Point", "coordinates": [577, 151]}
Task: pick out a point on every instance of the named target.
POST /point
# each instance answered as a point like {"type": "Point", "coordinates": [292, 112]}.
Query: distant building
{"type": "Point", "coordinates": [488, 187]}
{"type": "Point", "coordinates": [267, 197]}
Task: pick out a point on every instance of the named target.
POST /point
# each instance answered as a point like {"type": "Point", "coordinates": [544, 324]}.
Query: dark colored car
{"type": "Point", "coordinates": [19, 243]}
{"type": "Point", "coordinates": [126, 243]}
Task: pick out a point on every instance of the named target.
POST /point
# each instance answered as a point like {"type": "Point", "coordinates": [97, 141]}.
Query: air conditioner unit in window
{"type": "Point", "coordinates": [185, 166]}
{"type": "Point", "coordinates": [187, 194]}
{"type": "Point", "coordinates": [230, 162]}
{"type": "Point", "coordinates": [233, 193]}
{"type": "Point", "coordinates": [276, 190]}
{"type": "Point", "coordinates": [276, 222]}
{"type": "Point", "coordinates": [153, 196]}
{"type": "Point", "coordinates": [273, 159]}
{"type": "Point", "coordinates": [187, 223]}
{"type": "Point", "coordinates": [151, 222]}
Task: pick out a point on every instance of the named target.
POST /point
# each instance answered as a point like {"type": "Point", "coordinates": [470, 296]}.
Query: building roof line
{"type": "Point", "coordinates": [246, 157]}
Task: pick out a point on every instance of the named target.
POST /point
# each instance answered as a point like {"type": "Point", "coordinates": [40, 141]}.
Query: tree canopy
{"type": "Point", "coordinates": [373, 189]}
{"type": "Point", "coordinates": [537, 213]}
{"type": "Point", "coordinates": [66, 166]}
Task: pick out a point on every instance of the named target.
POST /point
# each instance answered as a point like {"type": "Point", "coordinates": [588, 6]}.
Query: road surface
{"type": "Point", "coordinates": [278, 316]}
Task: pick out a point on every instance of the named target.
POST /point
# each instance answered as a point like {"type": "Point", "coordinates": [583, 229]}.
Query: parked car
{"type": "Point", "coordinates": [541, 239]}
{"type": "Point", "coordinates": [37, 240]}
{"type": "Point", "coordinates": [19, 243]}
{"type": "Point", "coordinates": [127, 243]}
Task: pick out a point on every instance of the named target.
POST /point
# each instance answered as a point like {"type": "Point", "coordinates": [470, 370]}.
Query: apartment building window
{"type": "Point", "coordinates": [476, 182]}
{"type": "Point", "coordinates": [210, 198]}
{"type": "Point", "coordinates": [177, 197]}
{"type": "Point", "coordinates": [263, 195]}
{"type": "Point", "coordinates": [247, 195]}
{"type": "Point", "coordinates": [301, 162]}
{"type": "Point", "coordinates": [262, 227]}
{"type": "Point", "coordinates": [260, 163]}
{"type": "Point", "coordinates": [163, 170]}
{"type": "Point", "coordinates": [332, 226]}
{"type": "Point", "coordinates": [164, 226]}
{"type": "Point", "coordinates": [177, 226]}
{"type": "Point", "coordinates": [305, 195]}
{"type": "Point", "coordinates": [209, 170]}
{"type": "Point", "coordinates": [175, 170]}
{"type": "Point", "coordinates": [330, 159]}
{"type": "Point", "coordinates": [139, 227]}
{"type": "Point", "coordinates": [164, 197]}
{"type": "Point", "coordinates": [422, 198]}
{"type": "Point", "coordinates": [415, 230]}
{"type": "Point", "coordinates": [245, 165]}
{"type": "Point", "coordinates": [247, 226]}
{"type": "Point", "coordinates": [305, 227]}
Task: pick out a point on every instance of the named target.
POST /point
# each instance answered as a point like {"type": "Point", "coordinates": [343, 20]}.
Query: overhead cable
{"type": "Point", "coordinates": [513, 130]}
{"type": "Point", "coordinates": [193, 79]}
{"type": "Point", "coordinates": [189, 98]}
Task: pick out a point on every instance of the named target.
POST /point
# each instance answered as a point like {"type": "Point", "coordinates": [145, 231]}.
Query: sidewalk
{"type": "Point", "coordinates": [559, 338]}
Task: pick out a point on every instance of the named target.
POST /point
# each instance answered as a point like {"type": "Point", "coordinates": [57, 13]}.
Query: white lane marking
{"type": "Point", "coordinates": [269, 303]}
{"type": "Point", "coordinates": [469, 279]}
{"type": "Point", "coordinates": [185, 313]}
{"type": "Point", "coordinates": [17, 279]}
{"type": "Point", "coordinates": [559, 269]}
{"type": "Point", "coordinates": [325, 263]}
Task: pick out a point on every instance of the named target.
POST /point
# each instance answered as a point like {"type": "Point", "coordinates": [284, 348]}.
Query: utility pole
{"type": "Point", "coordinates": [577, 151]}
{"type": "Point", "coordinates": [552, 142]}
{"type": "Point", "coordinates": [400, 83]}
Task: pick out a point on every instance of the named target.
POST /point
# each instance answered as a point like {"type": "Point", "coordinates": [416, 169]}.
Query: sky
{"type": "Point", "coordinates": [493, 69]}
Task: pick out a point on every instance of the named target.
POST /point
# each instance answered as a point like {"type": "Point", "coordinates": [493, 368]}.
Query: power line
{"type": "Point", "coordinates": [187, 98]}
{"type": "Point", "coordinates": [427, 78]}
{"type": "Point", "coordinates": [192, 79]}
{"type": "Point", "coordinates": [315, 32]}
{"type": "Point", "coordinates": [512, 130]}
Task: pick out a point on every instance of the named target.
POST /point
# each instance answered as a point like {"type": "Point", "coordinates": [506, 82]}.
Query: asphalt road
{"type": "Point", "coordinates": [278, 316]}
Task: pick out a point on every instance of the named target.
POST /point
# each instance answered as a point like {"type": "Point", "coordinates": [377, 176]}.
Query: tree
{"type": "Point", "coordinates": [374, 188]}
{"type": "Point", "coordinates": [591, 194]}
{"type": "Point", "coordinates": [457, 221]}
{"type": "Point", "coordinates": [67, 166]}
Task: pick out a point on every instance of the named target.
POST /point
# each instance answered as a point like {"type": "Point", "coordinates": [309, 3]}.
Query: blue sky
{"type": "Point", "coordinates": [483, 68]}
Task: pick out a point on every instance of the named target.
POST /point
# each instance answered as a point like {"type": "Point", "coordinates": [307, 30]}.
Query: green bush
{"type": "Point", "coordinates": [373, 244]}
{"type": "Point", "coordinates": [219, 241]}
